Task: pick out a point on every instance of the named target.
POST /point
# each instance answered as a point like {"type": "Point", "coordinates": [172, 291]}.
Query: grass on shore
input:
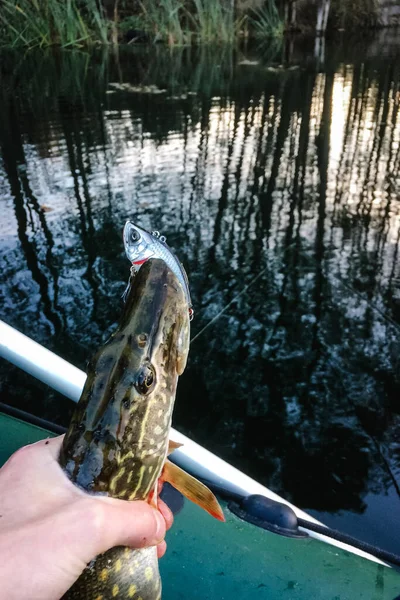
{"type": "Point", "coordinates": [43, 23]}
{"type": "Point", "coordinates": [65, 23]}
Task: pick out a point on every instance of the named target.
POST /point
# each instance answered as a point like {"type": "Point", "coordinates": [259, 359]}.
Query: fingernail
{"type": "Point", "coordinates": [160, 527]}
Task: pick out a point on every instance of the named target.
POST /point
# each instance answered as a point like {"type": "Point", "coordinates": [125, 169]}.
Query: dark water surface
{"type": "Point", "coordinates": [279, 188]}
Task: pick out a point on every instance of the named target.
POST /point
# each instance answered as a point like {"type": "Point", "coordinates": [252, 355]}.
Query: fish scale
{"type": "Point", "coordinates": [120, 573]}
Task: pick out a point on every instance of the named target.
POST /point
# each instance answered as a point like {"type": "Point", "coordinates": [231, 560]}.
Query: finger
{"type": "Point", "coordinates": [166, 513]}
{"type": "Point", "coordinates": [121, 523]}
{"type": "Point", "coordinates": [51, 446]}
{"type": "Point", "coordinates": [161, 549]}
{"type": "Point", "coordinates": [44, 451]}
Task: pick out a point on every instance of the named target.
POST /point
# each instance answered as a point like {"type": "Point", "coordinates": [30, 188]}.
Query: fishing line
{"type": "Point", "coordinates": [369, 303]}
{"type": "Point", "coordinates": [244, 290]}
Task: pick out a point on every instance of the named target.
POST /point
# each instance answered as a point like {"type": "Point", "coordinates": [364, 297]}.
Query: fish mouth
{"type": "Point", "coordinates": [162, 313]}
{"type": "Point", "coordinates": [155, 292]}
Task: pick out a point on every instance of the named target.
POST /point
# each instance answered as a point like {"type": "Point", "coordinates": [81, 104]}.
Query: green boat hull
{"type": "Point", "coordinates": [209, 560]}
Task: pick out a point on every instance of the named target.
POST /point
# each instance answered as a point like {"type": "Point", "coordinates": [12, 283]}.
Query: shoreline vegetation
{"type": "Point", "coordinates": [82, 23]}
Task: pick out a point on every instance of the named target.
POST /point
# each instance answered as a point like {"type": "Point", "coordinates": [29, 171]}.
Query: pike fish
{"type": "Point", "coordinates": [118, 439]}
{"type": "Point", "coordinates": [140, 245]}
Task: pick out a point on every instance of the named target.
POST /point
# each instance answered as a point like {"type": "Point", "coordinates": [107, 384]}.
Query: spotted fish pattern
{"type": "Point", "coordinates": [117, 442]}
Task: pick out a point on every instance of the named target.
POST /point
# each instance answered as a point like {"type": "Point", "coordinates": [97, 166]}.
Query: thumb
{"type": "Point", "coordinates": [123, 523]}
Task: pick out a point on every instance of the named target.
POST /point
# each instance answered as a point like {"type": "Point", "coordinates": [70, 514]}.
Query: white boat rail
{"type": "Point", "coordinates": [59, 374]}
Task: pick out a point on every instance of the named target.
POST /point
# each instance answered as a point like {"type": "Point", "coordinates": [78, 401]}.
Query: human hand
{"type": "Point", "coordinates": [50, 529]}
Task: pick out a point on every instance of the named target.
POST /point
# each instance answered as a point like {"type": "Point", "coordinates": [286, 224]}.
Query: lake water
{"type": "Point", "coordinates": [275, 177]}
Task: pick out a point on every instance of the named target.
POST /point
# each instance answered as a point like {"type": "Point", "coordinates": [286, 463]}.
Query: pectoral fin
{"type": "Point", "coordinates": [172, 446]}
{"type": "Point", "coordinates": [193, 489]}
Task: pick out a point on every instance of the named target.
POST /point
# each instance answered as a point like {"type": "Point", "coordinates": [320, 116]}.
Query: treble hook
{"type": "Point", "coordinates": [132, 274]}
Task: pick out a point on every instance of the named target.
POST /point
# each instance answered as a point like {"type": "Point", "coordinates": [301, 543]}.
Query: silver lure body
{"type": "Point", "coordinates": [140, 245]}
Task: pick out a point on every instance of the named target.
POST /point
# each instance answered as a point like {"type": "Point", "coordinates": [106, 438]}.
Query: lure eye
{"type": "Point", "coordinates": [145, 380]}
{"type": "Point", "coordinates": [134, 236]}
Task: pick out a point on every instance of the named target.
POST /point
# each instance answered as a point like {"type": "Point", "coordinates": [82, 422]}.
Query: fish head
{"type": "Point", "coordinates": [138, 243]}
{"type": "Point", "coordinates": [118, 438]}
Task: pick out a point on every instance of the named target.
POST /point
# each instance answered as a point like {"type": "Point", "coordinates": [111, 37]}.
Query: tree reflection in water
{"type": "Point", "coordinates": [279, 190]}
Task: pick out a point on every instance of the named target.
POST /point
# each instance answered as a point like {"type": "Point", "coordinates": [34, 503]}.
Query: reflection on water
{"type": "Point", "coordinates": [280, 190]}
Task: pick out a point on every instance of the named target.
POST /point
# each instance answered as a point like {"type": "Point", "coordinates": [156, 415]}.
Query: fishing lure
{"type": "Point", "coordinates": [140, 245]}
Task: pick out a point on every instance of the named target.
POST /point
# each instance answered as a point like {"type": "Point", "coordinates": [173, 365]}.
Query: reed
{"type": "Point", "coordinates": [45, 23]}
{"type": "Point", "coordinates": [214, 21]}
{"type": "Point", "coordinates": [66, 23]}
{"type": "Point", "coordinates": [266, 21]}
{"type": "Point", "coordinates": [162, 19]}
{"type": "Point", "coordinates": [182, 22]}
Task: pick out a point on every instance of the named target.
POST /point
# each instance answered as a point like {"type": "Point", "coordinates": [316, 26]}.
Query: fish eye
{"type": "Point", "coordinates": [145, 380]}
{"type": "Point", "coordinates": [134, 236]}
